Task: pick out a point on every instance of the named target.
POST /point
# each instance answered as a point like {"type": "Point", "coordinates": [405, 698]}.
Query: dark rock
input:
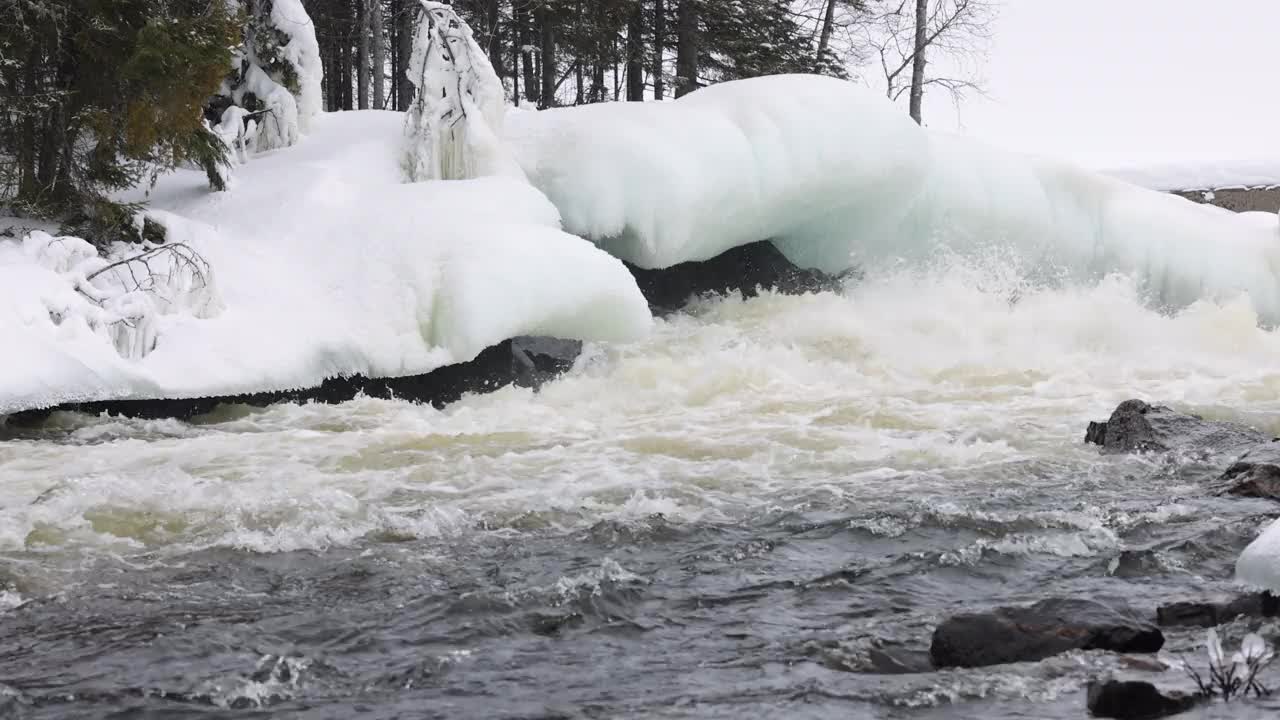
{"type": "Point", "coordinates": [524, 361]}
{"type": "Point", "coordinates": [746, 268]}
{"type": "Point", "coordinates": [1035, 632]}
{"type": "Point", "coordinates": [1136, 426]}
{"type": "Point", "coordinates": [1134, 700]}
{"type": "Point", "coordinates": [1212, 614]}
{"type": "Point", "coordinates": [1256, 474]}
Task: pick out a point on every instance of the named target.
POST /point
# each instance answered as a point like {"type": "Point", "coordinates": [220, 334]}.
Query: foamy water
{"type": "Point", "coordinates": [932, 419]}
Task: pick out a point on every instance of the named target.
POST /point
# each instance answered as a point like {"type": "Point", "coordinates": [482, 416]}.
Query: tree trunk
{"type": "Point", "coordinates": [635, 54]}
{"type": "Point", "coordinates": [515, 59]}
{"type": "Point", "coordinates": [659, 48]}
{"type": "Point", "coordinates": [493, 38]}
{"type": "Point", "coordinates": [524, 42]}
{"type": "Point", "coordinates": [687, 48]}
{"type": "Point", "coordinates": [404, 50]}
{"type": "Point", "coordinates": [378, 34]}
{"type": "Point", "coordinates": [918, 62]}
{"type": "Point", "coordinates": [547, 30]}
{"type": "Point", "coordinates": [27, 186]}
{"type": "Point", "coordinates": [362, 54]}
{"type": "Point", "coordinates": [828, 25]}
{"type": "Point", "coordinates": [598, 91]}
{"type": "Point", "coordinates": [344, 74]}
{"type": "Point", "coordinates": [393, 102]}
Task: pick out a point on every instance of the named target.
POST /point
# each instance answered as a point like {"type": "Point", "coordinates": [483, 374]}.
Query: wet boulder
{"type": "Point", "coordinates": [1034, 632]}
{"type": "Point", "coordinates": [1134, 700]}
{"type": "Point", "coordinates": [1256, 474]}
{"type": "Point", "coordinates": [1136, 426]}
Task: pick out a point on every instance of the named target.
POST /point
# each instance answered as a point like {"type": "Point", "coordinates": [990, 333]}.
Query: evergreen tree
{"type": "Point", "coordinates": [100, 95]}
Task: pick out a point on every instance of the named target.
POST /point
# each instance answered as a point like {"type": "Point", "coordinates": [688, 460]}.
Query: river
{"type": "Point", "coordinates": [730, 519]}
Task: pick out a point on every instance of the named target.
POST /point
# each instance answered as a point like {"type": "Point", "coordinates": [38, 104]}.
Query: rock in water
{"type": "Point", "coordinates": [1136, 426]}
{"type": "Point", "coordinates": [523, 361]}
{"type": "Point", "coordinates": [1256, 474]}
{"type": "Point", "coordinates": [745, 269]}
{"type": "Point", "coordinates": [1134, 700]}
{"type": "Point", "coordinates": [1035, 632]}
{"type": "Point", "coordinates": [1212, 614]}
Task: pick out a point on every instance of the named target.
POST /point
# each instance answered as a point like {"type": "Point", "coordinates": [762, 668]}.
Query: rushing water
{"type": "Point", "coordinates": [732, 519]}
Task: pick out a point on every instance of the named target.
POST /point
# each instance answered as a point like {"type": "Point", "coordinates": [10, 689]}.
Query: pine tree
{"type": "Point", "coordinates": [101, 95]}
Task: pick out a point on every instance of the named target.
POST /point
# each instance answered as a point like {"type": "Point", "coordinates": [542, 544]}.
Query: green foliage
{"type": "Point", "coordinates": [108, 95]}
{"type": "Point", "coordinates": [267, 43]}
{"type": "Point", "coordinates": [751, 38]}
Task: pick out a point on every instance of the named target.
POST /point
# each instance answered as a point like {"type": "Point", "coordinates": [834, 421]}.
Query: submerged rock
{"type": "Point", "coordinates": [746, 269]}
{"type": "Point", "coordinates": [523, 361]}
{"type": "Point", "coordinates": [1256, 474]}
{"type": "Point", "coordinates": [1212, 614]}
{"type": "Point", "coordinates": [1136, 426]}
{"type": "Point", "coordinates": [1035, 632]}
{"type": "Point", "coordinates": [1134, 700]}
{"type": "Point", "coordinates": [898, 661]}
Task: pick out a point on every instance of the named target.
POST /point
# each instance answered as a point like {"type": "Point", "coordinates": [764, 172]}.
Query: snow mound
{"type": "Point", "coordinates": [327, 264]}
{"type": "Point", "coordinates": [1259, 565]}
{"type": "Point", "coordinates": [836, 177]}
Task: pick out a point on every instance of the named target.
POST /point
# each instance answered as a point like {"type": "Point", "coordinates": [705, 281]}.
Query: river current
{"type": "Point", "coordinates": [741, 516]}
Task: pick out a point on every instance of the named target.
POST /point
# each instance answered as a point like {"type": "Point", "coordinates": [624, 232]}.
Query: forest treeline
{"type": "Point", "coordinates": [97, 96]}
{"type": "Point", "coordinates": [572, 52]}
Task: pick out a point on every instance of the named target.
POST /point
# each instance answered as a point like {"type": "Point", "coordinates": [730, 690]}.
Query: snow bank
{"type": "Point", "coordinates": [327, 264]}
{"type": "Point", "coordinates": [1259, 565]}
{"type": "Point", "coordinates": [836, 176]}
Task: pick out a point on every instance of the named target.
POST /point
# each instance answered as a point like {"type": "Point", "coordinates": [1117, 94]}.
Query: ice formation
{"type": "Point", "coordinates": [1259, 565]}
{"type": "Point", "coordinates": [836, 176]}
{"type": "Point", "coordinates": [327, 264]}
{"type": "Point", "coordinates": [452, 130]}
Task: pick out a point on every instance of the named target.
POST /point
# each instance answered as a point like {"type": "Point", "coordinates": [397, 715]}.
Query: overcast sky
{"type": "Point", "coordinates": [1119, 81]}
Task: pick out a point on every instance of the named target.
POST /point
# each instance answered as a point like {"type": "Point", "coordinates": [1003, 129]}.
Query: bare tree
{"type": "Point", "coordinates": [912, 31]}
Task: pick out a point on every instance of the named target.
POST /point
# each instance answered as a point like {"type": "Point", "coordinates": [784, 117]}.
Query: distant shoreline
{"type": "Point", "coordinates": [1237, 199]}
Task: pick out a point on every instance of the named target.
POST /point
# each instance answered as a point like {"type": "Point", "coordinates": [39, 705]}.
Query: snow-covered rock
{"type": "Point", "coordinates": [1259, 565]}
{"type": "Point", "coordinates": [836, 176]}
{"type": "Point", "coordinates": [327, 264]}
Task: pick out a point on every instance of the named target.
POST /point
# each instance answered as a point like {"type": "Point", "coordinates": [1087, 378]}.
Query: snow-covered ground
{"type": "Point", "coordinates": [324, 263]}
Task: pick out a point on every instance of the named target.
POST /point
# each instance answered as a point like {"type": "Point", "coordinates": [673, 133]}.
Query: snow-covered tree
{"type": "Point", "coordinates": [96, 97]}
{"type": "Point", "coordinates": [273, 90]}
{"type": "Point", "coordinates": [453, 127]}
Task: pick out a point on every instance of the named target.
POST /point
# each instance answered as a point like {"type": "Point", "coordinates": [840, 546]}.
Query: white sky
{"type": "Point", "coordinates": [1114, 82]}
